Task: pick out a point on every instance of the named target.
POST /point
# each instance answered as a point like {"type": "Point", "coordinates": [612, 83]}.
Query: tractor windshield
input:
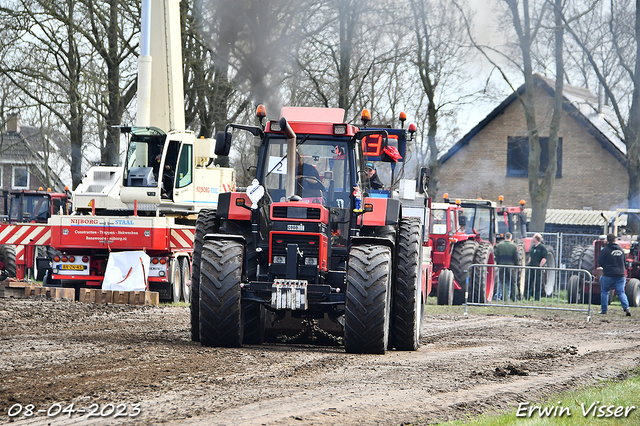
{"type": "Point", "coordinates": [321, 171]}
{"type": "Point", "coordinates": [478, 220]}
{"type": "Point", "coordinates": [438, 221]}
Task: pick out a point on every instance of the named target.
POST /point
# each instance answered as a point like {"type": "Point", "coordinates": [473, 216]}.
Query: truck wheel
{"type": "Point", "coordinates": [254, 323]}
{"type": "Point", "coordinates": [445, 287]}
{"type": "Point", "coordinates": [368, 301]}
{"type": "Point", "coordinates": [461, 259]}
{"type": "Point", "coordinates": [221, 322]}
{"type": "Point", "coordinates": [8, 260]}
{"type": "Point", "coordinates": [205, 224]}
{"type": "Point", "coordinates": [176, 282]}
{"type": "Point", "coordinates": [587, 263]}
{"type": "Point", "coordinates": [407, 297]}
{"type": "Point", "coordinates": [185, 278]}
{"type": "Point", "coordinates": [483, 278]}
{"type": "Point", "coordinates": [574, 289]}
{"type": "Point", "coordinates": [575, 259]}
{"type": "Point", "coordinates": [38, 252]}
{"type": "Point", "coordinates": [633, 292]}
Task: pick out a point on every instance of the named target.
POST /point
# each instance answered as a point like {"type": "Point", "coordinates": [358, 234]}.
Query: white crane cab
{"type": "Point", "coordinates": [171, 172]}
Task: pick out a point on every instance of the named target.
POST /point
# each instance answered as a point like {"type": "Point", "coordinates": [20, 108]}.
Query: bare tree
{"type": "Point", "coordinates": [440, 58]}
{"type": "Point", "coordinates": [621, 37]}
{"type": "Point", "coordinates": [42, 59]}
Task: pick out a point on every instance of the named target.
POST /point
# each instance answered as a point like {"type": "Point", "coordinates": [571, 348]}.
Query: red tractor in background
{"type": "Point", "coordinates": [586, 257]}
{"type": "Point", "coordinates": [462, 234]}
{"type": "Point", "coordinates": [24, 234]}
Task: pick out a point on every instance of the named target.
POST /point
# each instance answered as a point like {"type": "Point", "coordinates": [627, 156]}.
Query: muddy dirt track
{"type": "Point", "coordinates": [95, 355]}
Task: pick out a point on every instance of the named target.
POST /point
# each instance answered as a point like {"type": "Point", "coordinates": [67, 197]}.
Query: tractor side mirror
{"type": "Point", "coordinates": [462, 220]}
{"type": "Point", "coordinates": [223, 143]}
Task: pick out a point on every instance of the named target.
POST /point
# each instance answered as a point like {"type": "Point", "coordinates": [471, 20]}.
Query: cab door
{"type": "Point", "coordinates": [183, 188]}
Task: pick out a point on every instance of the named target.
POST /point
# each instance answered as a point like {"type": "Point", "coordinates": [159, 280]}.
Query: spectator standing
{"type": "Point", "coordinates": [537, 257]}
{"type": "Point", "coordinates": [611, 259]}
{"type": "Point", "coordinates": [507, 254]}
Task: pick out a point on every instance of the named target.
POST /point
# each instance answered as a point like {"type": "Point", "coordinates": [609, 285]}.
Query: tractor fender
{"type": "Point", "coordinates": [358, 241]}
{"type": "Point", "coordinates": [386, 211]}
{"type": "Point", "coordinates": [228, 209]}
{"type": "Point", "coordinates": [238, 238]}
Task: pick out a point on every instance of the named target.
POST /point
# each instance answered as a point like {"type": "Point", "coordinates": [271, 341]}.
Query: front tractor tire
{"type": "Point", "coordinates": [445, 287]}
{"type": "Point", "coordinates": [407, 300]}
{"type": "Point", "coordinates": [368, 299]}
{"type": "Point", "coordinates": [221, 319]}
{"type": "Point", "coordinates": [204, 225]}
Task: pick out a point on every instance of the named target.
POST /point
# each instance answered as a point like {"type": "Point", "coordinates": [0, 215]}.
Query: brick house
{"type": "Point", "coordinates": [22, 163]}
{"type": "Point", "coordinates": [491, 159]}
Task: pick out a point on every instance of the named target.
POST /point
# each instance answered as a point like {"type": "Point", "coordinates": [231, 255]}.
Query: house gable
{"type": "Point", "coordinates": [593, 168]}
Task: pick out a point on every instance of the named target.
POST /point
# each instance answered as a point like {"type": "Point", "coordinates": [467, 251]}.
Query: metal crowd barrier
{"type": "Point", "coordinates": [529, 287]}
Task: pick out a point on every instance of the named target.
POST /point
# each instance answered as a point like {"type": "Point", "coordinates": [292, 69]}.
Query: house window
{"type": "Point", "coordinates": [20, 178]}
{"type": "Point", "coordinates": [518, 156]}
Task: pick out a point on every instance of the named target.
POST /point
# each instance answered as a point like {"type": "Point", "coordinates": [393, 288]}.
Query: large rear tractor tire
{"type": "Point", "coordinates": [254, 323]}
{"type": "Point", "coordinates": [368, 299]}
{"type": "Point", "coordinates": [461, 260]}
{"type": "Point", "coordinates": [445, 287]}
{"type": "Point", "coordinates": [633, 292]}
{"type": "Point", "coordinates": [221, 319]}
{"type": "Point", "coordinates": [8, 260]}
{"type": "Point", "coordinates": [483, 277]}
{"type": "Point", "coordinates": [575, 260]}
{"type": "Point", "coordinates": [407, 300]}
{"type": "Point", "coordinates": [587, 263]}
{"type": "Point", "coordinates": [204, 225]}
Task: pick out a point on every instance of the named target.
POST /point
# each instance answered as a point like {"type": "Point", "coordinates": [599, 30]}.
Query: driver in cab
{"type": "Point", "coordinates": [307, 176]}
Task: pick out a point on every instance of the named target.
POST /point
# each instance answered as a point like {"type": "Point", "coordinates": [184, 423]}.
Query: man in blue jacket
{"type": "Point", "coordinates": [611, 259]}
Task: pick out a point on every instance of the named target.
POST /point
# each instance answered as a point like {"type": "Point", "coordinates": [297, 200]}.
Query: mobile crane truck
{"type": "Point", "coordinates": [308, 241]}
{"type": "Point", "coordinates": [167, 177]}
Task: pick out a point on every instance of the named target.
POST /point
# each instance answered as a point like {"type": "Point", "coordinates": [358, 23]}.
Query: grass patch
{"type": "Point", "coordinates": [593, 405]}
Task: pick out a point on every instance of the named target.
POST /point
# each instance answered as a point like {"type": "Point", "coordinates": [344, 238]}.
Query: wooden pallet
{"type": "Point", "coordinates": [87, 295]}
{"type": "Point", "coordinates": [90, 295]}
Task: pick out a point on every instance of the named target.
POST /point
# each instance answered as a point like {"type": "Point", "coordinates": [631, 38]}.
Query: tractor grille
{"type": "Point", "coordinates": [284, 212]}
{"type": "Point", "coordinates": [308, 244]}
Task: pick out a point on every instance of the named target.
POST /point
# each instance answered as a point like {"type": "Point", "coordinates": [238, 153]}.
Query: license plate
{"type": "Point", "coordinates": [289, 294]}
{"type": "Point", "coordinates": [72, 267]}
{"type": "Point", "coordinates": [299, 227]}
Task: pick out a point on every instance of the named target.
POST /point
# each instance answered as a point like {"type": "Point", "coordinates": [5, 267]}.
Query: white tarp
{"type": "Point", "coordinates": [126, 271]}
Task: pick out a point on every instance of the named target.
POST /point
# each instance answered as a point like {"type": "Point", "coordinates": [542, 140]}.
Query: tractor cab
{"type": "Point", "coordinates": [480, 218]}
{"type": "Point", "coordinates": [511, 219]}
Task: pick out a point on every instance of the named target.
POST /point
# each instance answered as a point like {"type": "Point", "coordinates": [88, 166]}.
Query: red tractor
{"type": "Point", "coordinates": [308, 242]}
{"type": "Point", "coordinates": [24, 238]}
{"type": "Point", "coordinates": [461, 236]}
{"type": "Point", "coordinates": [586, 257]}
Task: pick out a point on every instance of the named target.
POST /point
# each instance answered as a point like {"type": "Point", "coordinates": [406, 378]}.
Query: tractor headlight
{"type": "Point", "coordinates": [279, 259]}
{"type": "Point", "coordinates": [311, 261]}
